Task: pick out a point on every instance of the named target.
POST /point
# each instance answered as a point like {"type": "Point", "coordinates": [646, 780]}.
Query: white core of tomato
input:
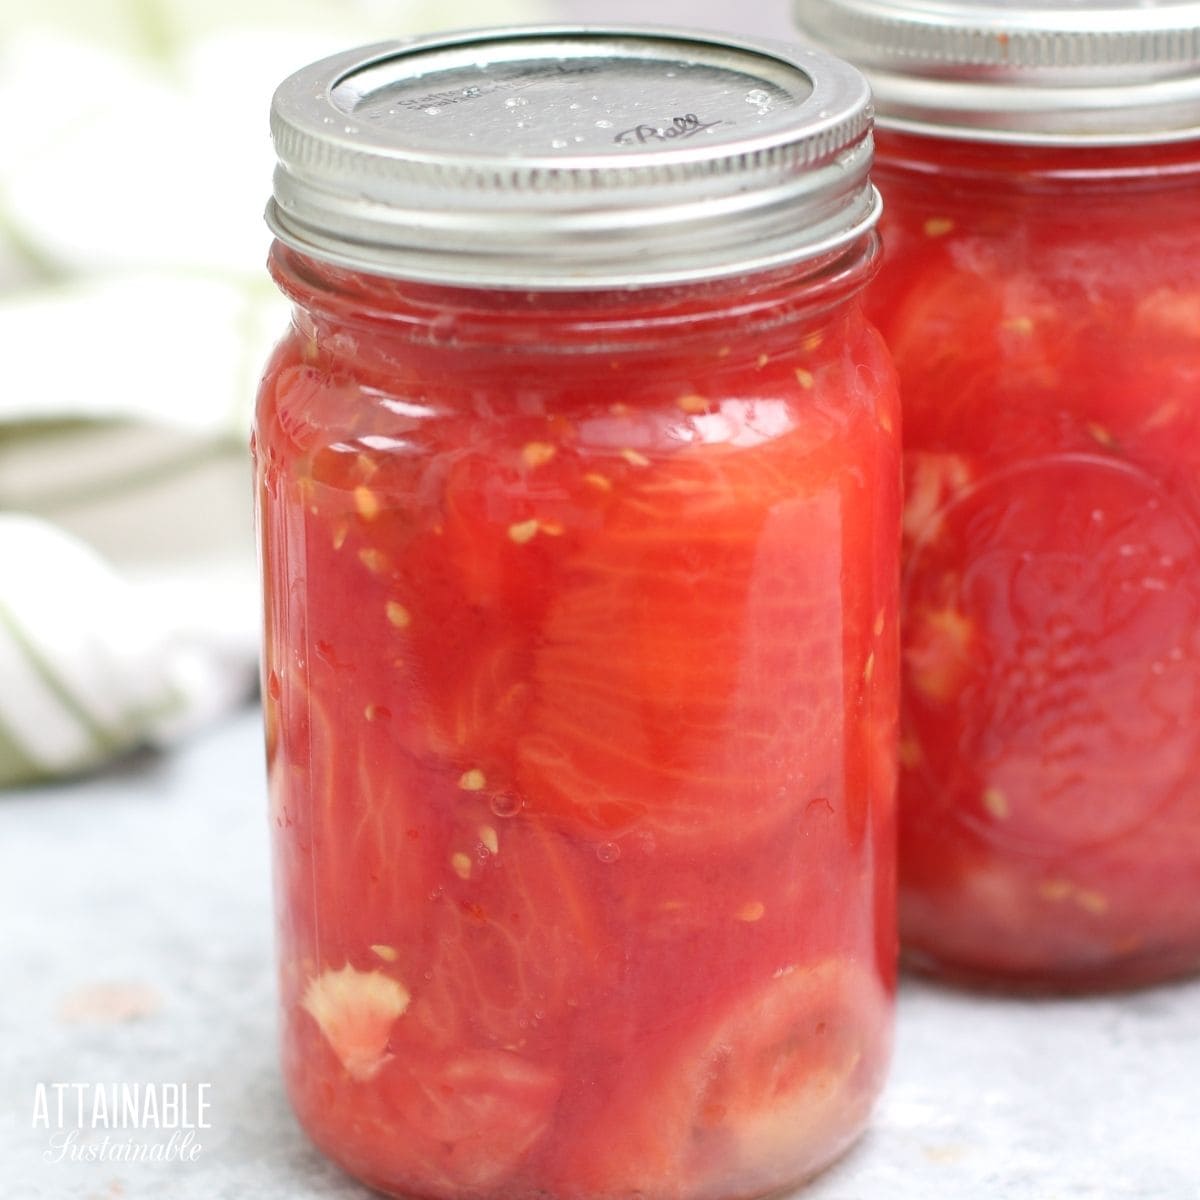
{"type": "Point", "coordinates": [355, 1010]}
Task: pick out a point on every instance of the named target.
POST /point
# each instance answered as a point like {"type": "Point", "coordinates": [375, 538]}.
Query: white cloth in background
{"type": "Point", "coordinates": [135, 316]}
{"type": "Point", "coordinates": [128, 594]}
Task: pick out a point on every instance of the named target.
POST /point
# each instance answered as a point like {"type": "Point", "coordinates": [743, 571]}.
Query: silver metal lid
{"type": "Point", "coordinates": [1066, 71]}
{"type": "Point", "coordinates": [572, 157]}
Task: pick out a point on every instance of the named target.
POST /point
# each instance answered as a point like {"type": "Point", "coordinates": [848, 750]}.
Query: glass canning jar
{"type": "Point", "coordinates": [1041, 296]}
{"type": "Point", "coordinates": [579, 514]}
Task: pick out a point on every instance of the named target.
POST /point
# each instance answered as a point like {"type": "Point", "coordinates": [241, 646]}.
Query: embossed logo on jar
{"type": "Point", "coordinates": [1052, 651]}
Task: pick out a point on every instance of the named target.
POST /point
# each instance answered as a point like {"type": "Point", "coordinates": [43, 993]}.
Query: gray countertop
{"type": "Point", "coordinates": [135, 947]}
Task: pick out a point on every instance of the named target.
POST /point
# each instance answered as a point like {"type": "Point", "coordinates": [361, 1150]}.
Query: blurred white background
{"type": "Point", "coordinates": [135, 314]}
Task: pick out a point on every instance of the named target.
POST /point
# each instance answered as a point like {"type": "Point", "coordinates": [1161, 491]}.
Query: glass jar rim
{"type": "Point", "coordinates": [600, 321]}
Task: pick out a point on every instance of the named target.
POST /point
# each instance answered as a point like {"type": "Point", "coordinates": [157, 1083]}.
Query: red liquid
{"type": "Point", "coordinates": [581, 703]}
{"type": "Point", "coordinates": [1043, 307]}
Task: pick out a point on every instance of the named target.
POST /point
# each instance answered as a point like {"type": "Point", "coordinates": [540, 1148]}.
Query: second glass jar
{"type": "Point", "coordinates": [1041, 296]}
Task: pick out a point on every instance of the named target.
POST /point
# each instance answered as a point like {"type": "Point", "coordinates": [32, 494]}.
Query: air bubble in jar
{"type": "Point", "coordinates": [505, 804]}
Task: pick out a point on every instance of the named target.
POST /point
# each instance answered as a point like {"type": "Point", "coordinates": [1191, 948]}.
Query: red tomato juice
{"type": "Point", "coordinates": [580, 681]}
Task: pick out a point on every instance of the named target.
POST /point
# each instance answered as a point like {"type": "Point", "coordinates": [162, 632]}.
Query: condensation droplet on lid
{"type": "Point", "coordinates": [432, 112]}
{"type": "Point", "coordinates": [515, 102]}
{"type": "Point", "coordinates": [758, 98]}
{"type": "Point", "coordinates": [603, 124]}
{"type": "Point", "coordinates": [573, 107]}
{"type": "Point", "coordinates": [559, 144]}
{"type": "Point", "coordinates": [505, 804]}
{"type": "Point", "coordinates": [608, 852]}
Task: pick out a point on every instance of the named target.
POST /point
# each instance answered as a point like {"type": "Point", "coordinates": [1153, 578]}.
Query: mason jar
{"type": "Point", "coordinates": [1041, 295]}
{"type": "Point", "coordinates": [578, 486]}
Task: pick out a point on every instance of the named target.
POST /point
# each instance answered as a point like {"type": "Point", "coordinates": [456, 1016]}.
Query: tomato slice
{"type": "Point", "coordinates": [1051, 671]}
{"type": "Point", "coordinates": [768, 1092]}
{"type": "Point", "coordinates": [980, 346]}
{"type": "Point", "coordinates": [461, 1120]}
{"type": "Point", "coordinates": [517, 940]}
{"type": "Point", "coordinates": [688, 662]}
{"type": "Point", "coordinates": [447, 1070]}
{"type": "Point", "coordinates": [429, 1119]}
{"type": "Point", "coordinates": [792, 1073]}
{"type": "Point", "coordinates": [473, 585]}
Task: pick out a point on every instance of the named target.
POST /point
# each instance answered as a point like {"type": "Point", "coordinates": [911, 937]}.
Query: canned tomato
{"type": "Point", "coordinates": [579, 510]}
{"type": "Point", "coordinates": [1041, 295]}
